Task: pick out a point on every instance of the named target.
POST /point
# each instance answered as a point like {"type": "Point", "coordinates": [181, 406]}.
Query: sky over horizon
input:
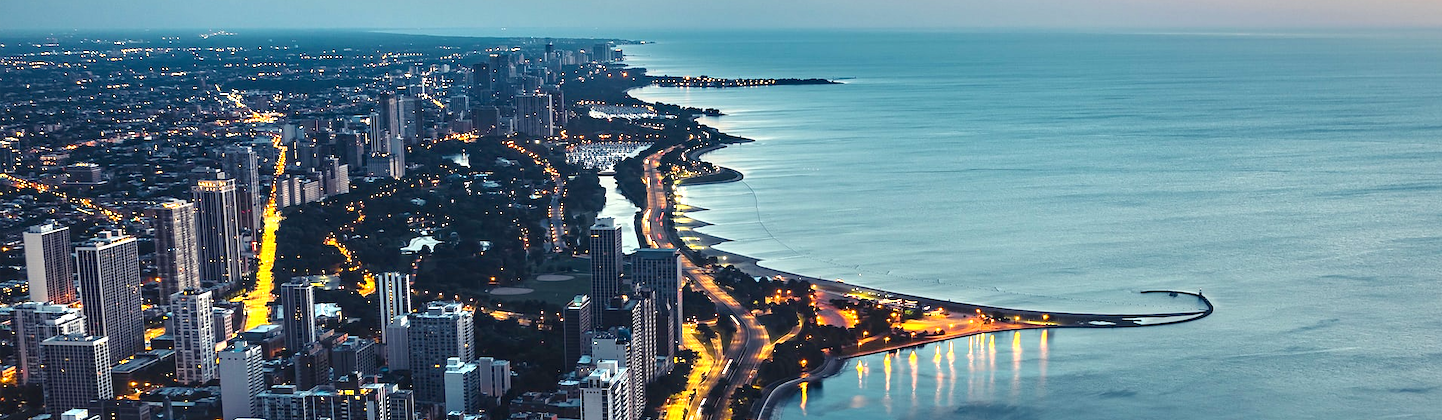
{"type": "Point", "coordinates": [660, 14]}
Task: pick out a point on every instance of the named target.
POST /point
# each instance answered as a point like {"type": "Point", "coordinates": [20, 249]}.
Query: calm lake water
{"type": "Point", "coordinates": [1295, 178]}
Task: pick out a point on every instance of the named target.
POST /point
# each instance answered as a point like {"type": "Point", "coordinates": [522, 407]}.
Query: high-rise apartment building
{"type": "Point", "coordinates": [298, 298]}
{"type": "Point", "coordinates": [194, 334]}
{"type": "Point", "coordinates": [48, 265]}
{"type": "Point", "coordinates": [606, 393]}
{"type": "Point", "coordinates": [109, 271]}
{"type": "Point", "coordinates": [33, 323]}
{"type": "Point", "coordinates": [607, 261]}
{"type": "Point", "coordinates": [177, 254]}
{"type": "Point", "coordinates": [220, 243]}
{"type": "Point", "coordinates": [394, 296]}
{"type": "Point", "coordinates": [576, 325]}
{"type": "Point", "coordinates": [462, 386]}
{"type": "Point", "coordinates": [443, 331]}
{"type": "Point", "coordinates": [242, 379]}
{"type": "Point", "coordinates": [77, 371]}
{"type": "Point", "coordinates": [355, 355]}
{"type": "Point", "coordinates": [401, 405]}
{"type": "Point", "coordinates": [243, 163]}
{"type": "Point", "coordinates": [660, 270]}
{"type": "Point", "coordinates": [398, 345]}
{"type": "Point", "coordinates": [535, 116]}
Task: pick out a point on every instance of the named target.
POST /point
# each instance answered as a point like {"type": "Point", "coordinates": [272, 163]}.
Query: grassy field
{"type": "Point", "coordinates": [557, 292]}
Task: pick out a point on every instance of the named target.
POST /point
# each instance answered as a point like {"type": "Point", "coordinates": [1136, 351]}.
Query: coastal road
{"type": "Point", "coordinates": [751, 345]}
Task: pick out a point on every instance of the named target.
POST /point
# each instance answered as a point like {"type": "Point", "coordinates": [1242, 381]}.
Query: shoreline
{"type": "Point", "coordinates": [1008, 319]}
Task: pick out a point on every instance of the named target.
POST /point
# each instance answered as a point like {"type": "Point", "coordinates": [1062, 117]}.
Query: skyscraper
{"type": "Point", "coordinates": [35, 322]}
{"type": "Point", "coordinates": [219, 238]}
{"type": "Point", "coordinates": [535, 116]}
{"type": "Point", "coordinates": [194, 336]}
{"type": "Point", "coordinates": [298, 299]}
{"type": "Point", "coordinates": [48, 265]}
{"type": "Point", "coordinates": [660, 270]}
{"type": "Point", "coordinates": [481, 84]}
{"type": "Point", "coordinates": [394, 299]}
{"type": "Point", "coordinates": [399, 116]}
{"type": "Point", "coordinates": [77, 371]}
{"type": "Point", "coordinates": [242, 163]}
{"type": "Point", "coordinates": [109, 268]}
{"type": "Point", "coordinates": [607, 259]}
{"type": "Point", "coordinates": [177, 255]}
{"type": "Point", "coordinates": [443, 331]}
{"type": "Point", "coordinates": [636, 313]}
{"type": "Point", "coordinates": [242, 378]}
{"type": "Point", "coordinates": [576, 325]}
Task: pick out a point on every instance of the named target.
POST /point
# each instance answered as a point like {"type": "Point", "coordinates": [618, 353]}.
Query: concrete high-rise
{"type": "Point", "coordinates": [219, 238]}
{"type": "Point", "coordinates": [355, 355]}
{"type": "Point", "coordinates": [400, 116]}
{"type": "Point", "coordinates": [535, 116]}
{"type": "Point", "coordinates": [636, 313]}
{"type": "Point", "coordinates": [394, 297]}
{"type": "Point", "coordinates": [48, 265]}
{"type": "Point", "coordinates": [607, 261]}
{"type": "Point", "coordinates": [443, 331]}
{"type": "Point", "coordinates": [606, 393]}
{"type": "Point", "coordinates": [576, 325]}
{"type": "Point", "coordinates": [35, 322]}
{"type": "Point", "coordinates": [462, 386]}
{"type": "Point", "coordinates": [242, 378]}
{"type": "Point", "coordinates": [194, 334]}
{"type": "Point", "coordinates": [495, 376]}
{"type": "Point", "coordinates": [243, 163]}
{"type": "Point", "coordinates": [401, 403]}
{"type": "Point", "coordinates": [109, 271]}
{"type": "Point", "coordinates": [177, 254]}
{"type": "Point", "coordinates": [77, 371]}
{"type": "Point", "coordinates": [398, 348]}
{"type": "Point", "coordinates": [298, 298]}
{"type": "Point", "coordinates": [660, 270]}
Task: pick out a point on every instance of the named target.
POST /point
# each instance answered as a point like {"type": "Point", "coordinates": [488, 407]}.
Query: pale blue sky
{"type": "Point", "coordinates": [716, 14]}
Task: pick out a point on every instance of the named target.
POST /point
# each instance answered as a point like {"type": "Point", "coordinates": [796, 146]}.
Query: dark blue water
{"type": "Point", "coordinates": [1295, 178]}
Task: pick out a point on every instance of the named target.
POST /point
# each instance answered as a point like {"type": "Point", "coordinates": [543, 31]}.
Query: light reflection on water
{"type": "Point", "coordinates": [933, 386]}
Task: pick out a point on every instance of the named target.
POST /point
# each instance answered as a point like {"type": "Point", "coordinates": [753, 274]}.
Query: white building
{"type": "Point", "coordinates": [242, 378]}
{"type": "Point", "coordinates": [48, 265]}
{"type": "Point", "coordinates": [194, 333]}
{"type": "Point", "coordinates": [606, 393]}
{"type": "Point", "coordinates": [463, 386]}
{"type": "Point", "coordinates": [394, 299]}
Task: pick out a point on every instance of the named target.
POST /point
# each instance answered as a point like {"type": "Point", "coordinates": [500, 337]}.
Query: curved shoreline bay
{"type": "Point", "coordinates": [1294, 179]}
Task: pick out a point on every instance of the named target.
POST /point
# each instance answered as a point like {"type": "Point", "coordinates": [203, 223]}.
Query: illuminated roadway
{"type": "Point", "coordinates": [257, 301]}
{"type": "Point", "coordinates": [751, 346]}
